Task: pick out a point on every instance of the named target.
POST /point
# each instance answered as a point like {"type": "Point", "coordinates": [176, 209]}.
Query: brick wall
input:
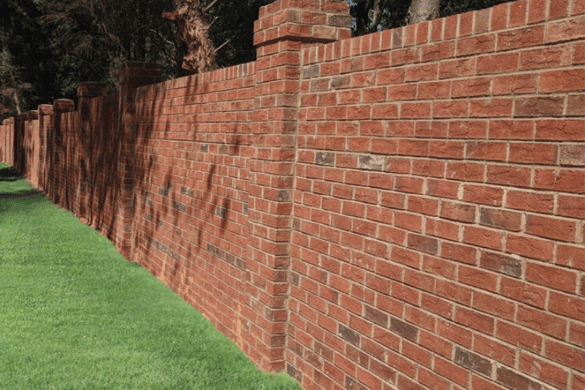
{"type": "Point", "coordinates": [402, 210]}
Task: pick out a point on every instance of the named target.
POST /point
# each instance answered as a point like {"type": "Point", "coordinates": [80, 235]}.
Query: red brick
{"type": "Point", "coordinates": [492, 196]}
{"type": "Point", "coordinates": [578, 7]}
{"type": "Point", "coordinates": [494, 349]}
{"type": "Point", "coordinates": [528, 293]}
{"type": "Point", "coordinates": [553, 228]}
{"type": "Point", "coordinates": [468, 129]}
{"type": "Point", "coordinates": [475, 320]}
{"type": "Point", "coordinates": [483, 237]}
{"type": "Point", "coordinates": [478, 278]}
{"type": "Point", "coordinates": [518, 336]}
{"type": "Point", "coordinates": [571, 256]}
{"type": "Point", "coordinates": [521, 38]}
{"type": "Point", "coordinates": [462, 253]}
{"type": "Point", "coordinates": [562, 80]}
{"type": "Point", "coordinates": [551, 277]}
{"type": "Point", "coordinates": [567, 305]}
{"type": "Point", "coordinates": [441, 228]}
{"type": "Point", "coordinates": [442, 188]}
{"type": "Point", "coordinates": [531, 247]}
{"type": "Point", "coordinates": [518, 14]}
{"type": "Point", "coordinates": [544, 57]}
{"type": "Point", "coordinates": [480, 383]}
{"type": "Point", "coordinates": [453, 291]}
{"type": "Point", "coordinates": [416, 353]}
{"type": "Point", "coordinates": [569, 356]}
{"type": "Point", "coordinates": [449, 370]}
{"type": "Point", "coordinates": [577, 334]}
{"type": "Point", "coordinates": [562, 130]}
{"type": "Point", "coordinates": [458, 211]}
{"type": "Point", "coordinates": [507, 129]}
{"type": "Point", "coordinates": [497, 63]}
{"type": "Point", "coordinates": [505, 174]}
{"type": "Point", "coordinates": [546, 323]}
{"type": "Point", "coordinates": [565, 30]}
{"type": "Point", "coordinates": [436, 344]}
{"type": "Point", "coordinates": [560, 180]}
{"type": "Point", "coordinates": [578, 382]}
{"type": "Point", "coordinates": [465, 171]}
{"type": "Point", "coordinates": [492, 305]}
{"type": "Point", "coordinates": [493, 107]}
{"type": "Point", "coordinates": [572, 155]}
{"type": "Point", "coordinates": [530, 201]}
{"type": "Point", "coordinates": [454, 332]}
{"type": "Point", "coordinates": [493, 151]}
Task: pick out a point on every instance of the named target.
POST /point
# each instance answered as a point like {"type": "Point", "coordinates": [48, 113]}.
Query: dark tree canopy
{"type": "Point", "coordinates": [47, 47]}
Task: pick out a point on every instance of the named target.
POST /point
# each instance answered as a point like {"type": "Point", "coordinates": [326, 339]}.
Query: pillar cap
{"type": "Point", "coordinates": [308, 21]}
{"type": "Point", "coordinates": [63, 105]}
{"type": "Point", "coordinates": [91, 89]}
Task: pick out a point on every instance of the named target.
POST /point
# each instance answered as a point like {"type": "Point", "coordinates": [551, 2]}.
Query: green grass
{"type": "Point", "coordinates": [74, 314]}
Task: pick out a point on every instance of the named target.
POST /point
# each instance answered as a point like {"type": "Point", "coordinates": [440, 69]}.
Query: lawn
{"type": "Point", "coordinates": [74, 314]}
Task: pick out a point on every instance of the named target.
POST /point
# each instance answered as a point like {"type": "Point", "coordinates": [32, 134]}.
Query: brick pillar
{"type": "Point", "coordinates": [56, 148]}
{"type": "Point", "coordinates": [283, 28]}
{"type": "Point", "coordinates": [19, 136]}
{"type": "Point", "coordinates": [6, 143]}
{"type": "Point", "coordinates": [131, 76]}
{"type": "Point", "coordinates": [45, 125]}
{"type": "Point", "coordinates": [2, 142]}
{"type": "Point", "coordinates": [9, 141]}
{"type": "Point", "coordinates": [32, 147]}
{"type": "Point", "coordinates": [85, 92]}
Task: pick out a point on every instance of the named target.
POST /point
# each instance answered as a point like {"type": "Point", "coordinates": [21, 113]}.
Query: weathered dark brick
{"type": "Point", "coordinates": [293, 372]}
{"type": "Point", "coordinates": [309, 72]}
{"type": "Point", "coordinates": [325, 158]}
{"type": "Point", "coordinates": [423, 243]}
{"type": "Point", "coordinates": [501, 219]}
{"type": "Point", "coordinates": [404, 329]}
{"type": "Point", "coordinates": [349, 335]}
{"type": "Point", "coordinates": [370, 162]}
{"type": "Point", "coordinates": [473, 361]}
{"type": "Point", "coordinates": [377, 316]}
{"type": "Point", "coordinates": [500, 263]}
{"type": "Point", "coordinates": [515, 381]}
{"type": "Point", "coordinates": [340, 82]}
{"type": "Point", "coordinates": [339, 20]}
{"type": "Point", "coordinates": [179, 206]}
{"type": "Point", "coordinates": [352, 384]}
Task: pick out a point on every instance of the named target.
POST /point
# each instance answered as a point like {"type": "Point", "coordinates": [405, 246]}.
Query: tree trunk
{"type": "Point", "coordinates": [191, 19]}
{"type": "Point", "coordinates": [422, 10]}
{"type": "Point", "coordinates": [16, 98]}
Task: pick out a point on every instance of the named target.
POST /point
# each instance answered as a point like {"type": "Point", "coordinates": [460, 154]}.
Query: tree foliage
{"type": "Point", "coordinates": [47, 47]}
{"type": "Point", "coordinates": [28, 67]}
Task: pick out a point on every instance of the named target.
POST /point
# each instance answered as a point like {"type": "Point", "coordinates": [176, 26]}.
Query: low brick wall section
{"type": "Point", "coordinates": [401, 210]}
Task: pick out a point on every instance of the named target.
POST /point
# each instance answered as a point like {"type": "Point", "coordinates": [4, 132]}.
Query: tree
{"type": "Point", "coordinates": [27, 71]}
{"type": "Point", "coordinates": [421, 10]}
{"type": "Point", "coordinates": [217, 33]}
{"type": "Point", "coordinates": [93, 38]}
{"type": "Point", "coordinates": [193, 24]}
{"type": "Point", "coordinates": [376, 15]}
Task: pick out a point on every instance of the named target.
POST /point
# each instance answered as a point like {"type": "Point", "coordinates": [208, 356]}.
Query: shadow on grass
{"type": "Point", "coordinates": [10, 174]}
{"type": "Point", "coordinates": [22, 194]}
